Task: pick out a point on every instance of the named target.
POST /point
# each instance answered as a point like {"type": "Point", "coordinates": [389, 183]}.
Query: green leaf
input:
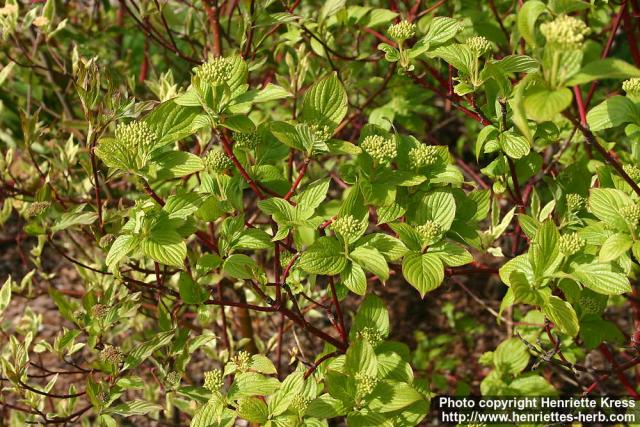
{"type": "Point", "coordinates": [515, 146]}
{"type": "Point", "coordinates": [262, 364]}
{"type": "Point", "coordinates": [165, 246]}
{"type": "Point", "coordinates": [441, 30]}
{"type": "Point", "coordinates": [190, 291]}
{"type": "Point", "coordinates": [543, 104]}
{"type": "Point", "coordinates": [608, 68]}
{"type": "Point", "coordinates": [172, 122]}
{"type": "Point", "coordinates": [562, 314]}
{"type": "Point", "coordinates": [511, 356]}
{"type": "Point", "coordinates": [523, 291]}
{"type": "Point", "coordinates": [325, 102]}
{"type": "Point", "coordinates": [605, 204]}
{"type": "Point", "coordinates": [326, 406]}
{"type": "Point", "coordinates": [614, 247]}
{"type": "Point", "coordinates": [372, 261]}
{"type": "Point", "coordinates": [120, 248]}
{"type": "Point", "coordinates": [389, 396]}
{"type": "Point", "coordinates": [354, 279]}
{"type": "Point", "coordinates": [458, 55]}
{"type": "Point", "coordinates": [69, 219]}
{"type": "Point", "coordinates": [600, 278]}
{"type": "Point", "coordinates": [134, 407]}
{"type": "Point", "coordinates": [361, 359]}
{"type": "Point", "coordinates": [520, 264]}
{"type": "Point", "coordinates": [451, 254]}
{"type": "Point", "coordinates": [142, 352]}
{"type": "Point", "coordinates": [324, 256]}
{"type": "Point", "coordinates": [526, 20]}
{"type": "Point", "coordinates": [439, 206]}
{"type": "Point", "coordinates": [270, 92]}
{"type": "Point", "coordinates": [390, 247]}
{"type": "Point", "coordinates": [182, 205]}
{"type": "Point", "coordinates": [371, 314]}
{"type": "Point", "coordinates": [248, 384]}
{"type": "Point", "coordinates": [5, 295]}
{"type": "Point", "coordinates": [314, 194]}
{"type": "Point", "coordinates": [253, 238]}
{"type": "Point", "coordinates": [239, 266]}
{"type": "Point", "coordinates": [291, 387]}
{"type": "Point", "coordinates": [176, 164]}
{"type": "Point", "coordinates": [544, 254]}
{"type": "Point", "coordinates": [239, 123]}
{"type": "Point", "coordinates": [424, 272]}
{"type": "Point", "coordinates": [613, 112]}
{"type": "Point", "coordinates": [253, 410]}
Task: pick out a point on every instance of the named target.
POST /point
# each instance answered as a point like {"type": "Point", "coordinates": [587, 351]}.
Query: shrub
{"type": "Point", "coordinates": [207, 204]}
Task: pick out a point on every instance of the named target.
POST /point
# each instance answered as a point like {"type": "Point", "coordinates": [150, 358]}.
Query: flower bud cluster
{"type": "Point", "coordinates": [429, 231]}
{"type": "Point", "coordinates": [242, 360]}
{"type": "Point", "coordinates": [633, 172]}
{"type": "Point", "coordinates": [112, 354]}
{"type": "Point", "coordinates": [565, 32]}
{"type": "Point", "coordinates": [37, 208]}
{"type": "Point", "coordinates": [575, 202]}
{"type": "Point", "coordinates": [99, 311]}
{"type": "Point", "coordinates": [479, 45]}
{"type": "Point", "coordinates": [365, 384]}
{"type": "Point", "coordinates": [300, 403]}
{"type": "Point", "coordinates": [213, 380]}
{"type": "Point", "coordinates": [371, 335]}
{"type": "Point", "coordinates": [632, 86]}
{"type": "Point", "coordinates": [571, 243]}
{"type": "Point", "coordinates": [348, 227]}
{"type": "Point", "coordinates": [402, 31]}
{"type": "Point", "coordinates": [423, 155]}
{"type": "Point", "coordinates": [215, 72]}
{"type": "Point", "coordinates": [321, 133]}
{"type": "Point", "coordinates": [217, 161]}
{"type": "Point", "coordinates": [246, 139]}
{"type": "Point", "coordinates": [381, 149]}
{"type": "Point", "coordinates": [173, 378]}
{"type": "Point", "coordinates": [631, 213]}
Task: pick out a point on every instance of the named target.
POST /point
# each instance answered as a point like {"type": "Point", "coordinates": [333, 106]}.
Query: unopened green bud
{"type": "Point", "coordinates": [631, 213]}
{"type": "Point", "coordinates": [381, 149]}
{"type": "Point", "coordinates": [422, 156]}
{"type": "Point", "coordinates": [217, 161]}
{"type": "Point", "coordinates": [575, 202]}
{"type": "Point", "coordinates": [215, 72]}
{"type": "Point", "coordinates": [632, 86]}
{"type": "Point", "coordinates": [112, 355]}
{"type": "Point", "coordinates": [248, 140]}
{"type": "Point", "coordinates": [633, 172]}
{"type": "Point", "coordinates": [479, 45]}
{"type": "Point", "coordinates": [213, 380]}
{"type": "Point", "coordinates": [571, 243]}
{"type": "Point", "coordinates": [242, 361]}
{"type": "Point", "coordinates": [348, 227]}
{"type": "Point", "coordinates": [402, 31]}
{"type": "Point", "coordinates": [370, 335]}
{"type": "Point", "coordinates": [429, 231]}
{"type": "Point", "coordinates": [565, 32]}
{"type": "Point", "coordinates": [37, 208]}
{"type": "Point", "coordinates": [365, 384]}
